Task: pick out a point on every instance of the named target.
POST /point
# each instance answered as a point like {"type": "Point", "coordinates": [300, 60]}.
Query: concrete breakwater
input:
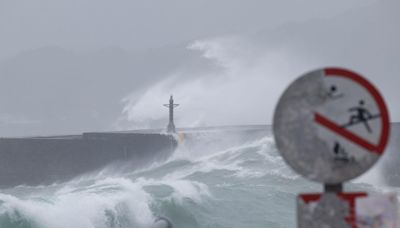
{"type": "Point", "coordinates": [44, 160]}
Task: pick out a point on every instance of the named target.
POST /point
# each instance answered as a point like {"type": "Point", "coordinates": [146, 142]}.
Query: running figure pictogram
{"type": "Point", "coordinates": [360, 115]}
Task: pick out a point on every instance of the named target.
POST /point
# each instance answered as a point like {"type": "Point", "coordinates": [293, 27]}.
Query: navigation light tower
{"type": "Point", "coordinates": [171, 106]}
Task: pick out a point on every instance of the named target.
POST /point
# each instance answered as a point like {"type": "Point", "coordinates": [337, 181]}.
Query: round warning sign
{"type": "Point", "coordinates": [331, 125]}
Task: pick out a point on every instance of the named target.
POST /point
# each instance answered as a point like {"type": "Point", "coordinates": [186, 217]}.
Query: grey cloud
{"type": "Point", "coordinates": [86, 24]}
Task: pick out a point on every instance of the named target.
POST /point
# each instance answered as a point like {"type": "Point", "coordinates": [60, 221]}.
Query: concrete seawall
{"type": "Point", "coordinates": [44, 160]}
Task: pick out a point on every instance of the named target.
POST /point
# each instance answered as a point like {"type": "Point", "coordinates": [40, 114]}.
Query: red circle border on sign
{"type": "Point", "coordinates": [339, 72]}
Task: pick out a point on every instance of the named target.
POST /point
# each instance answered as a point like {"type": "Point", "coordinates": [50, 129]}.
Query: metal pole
{"type": "Point", "coordinates": [333, 188]}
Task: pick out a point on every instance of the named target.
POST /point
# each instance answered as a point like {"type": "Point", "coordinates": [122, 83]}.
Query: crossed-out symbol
{"type": "Point", "coordinates": [358, 115]}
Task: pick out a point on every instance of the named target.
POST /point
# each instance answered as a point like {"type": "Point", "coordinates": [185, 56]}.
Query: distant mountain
{"type": "Point", "coordinates": [55, 91]}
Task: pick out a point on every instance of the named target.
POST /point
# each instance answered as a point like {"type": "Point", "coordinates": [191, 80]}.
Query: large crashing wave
{"type": "Point", "coordinates": [246, 185]}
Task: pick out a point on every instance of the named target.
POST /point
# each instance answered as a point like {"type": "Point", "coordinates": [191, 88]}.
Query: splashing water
{"type": "Point", "coordinates": [245, 185]}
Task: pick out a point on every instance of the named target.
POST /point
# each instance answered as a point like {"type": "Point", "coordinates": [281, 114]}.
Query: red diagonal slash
{"type": "Point", "coordinates": [345, 133]}
{"type": "Point", "coordinates": [379, 149]}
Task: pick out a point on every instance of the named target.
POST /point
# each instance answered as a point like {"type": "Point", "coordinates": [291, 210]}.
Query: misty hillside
{"type": "Point", "coordinates": [52, 90]}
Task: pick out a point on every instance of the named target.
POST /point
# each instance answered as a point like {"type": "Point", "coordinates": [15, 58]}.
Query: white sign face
{"type": "Point", "coordinates": [331, 125]}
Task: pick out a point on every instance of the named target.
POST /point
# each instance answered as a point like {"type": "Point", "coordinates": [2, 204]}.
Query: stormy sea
{"type": "Point", "coordinates": [227, 183]}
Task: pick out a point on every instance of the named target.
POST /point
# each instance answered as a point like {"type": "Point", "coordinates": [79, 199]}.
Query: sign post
{"type": "Point", "coordinates": [331, 125]}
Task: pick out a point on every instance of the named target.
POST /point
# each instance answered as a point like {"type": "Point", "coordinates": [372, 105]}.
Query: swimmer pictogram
{"type": "Point", "coordinates": [358, 114]}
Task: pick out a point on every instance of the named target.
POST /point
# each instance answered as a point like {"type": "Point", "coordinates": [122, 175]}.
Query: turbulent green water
{"type": "Point", "coordinates": [239, 186]}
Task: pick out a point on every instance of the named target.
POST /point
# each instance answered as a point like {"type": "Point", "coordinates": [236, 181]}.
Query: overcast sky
{"type": "Point", "coordinates": [83, 65]}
